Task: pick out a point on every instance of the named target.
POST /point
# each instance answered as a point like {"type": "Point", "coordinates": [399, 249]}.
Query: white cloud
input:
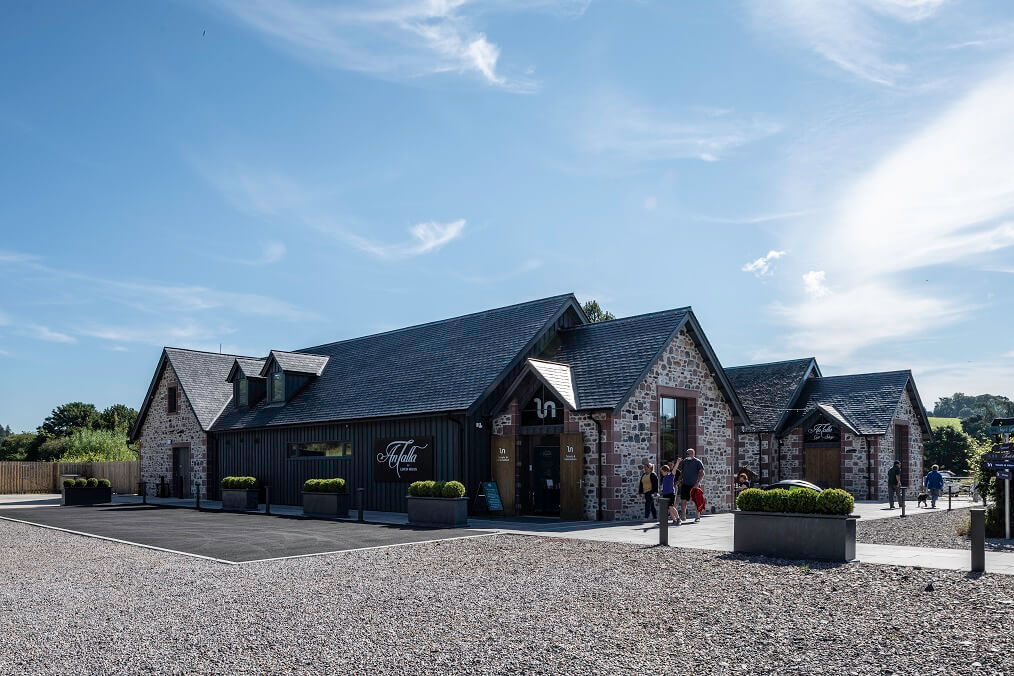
{"type": "Point", "coordinates": [851, 34]}
{"type": "Point", "coordinates": [761, 267]}
{"type": "Point", "coordinates": [813, 284]}
{"type": "Point", "coordinates": [650, 202]}
{"type": "Point", "coordinates": [620, 129]}
{"type": "Point", "coordinates": [45, 333]}
{"type": "Point", "coordinates": [425, 237]}
{"type": "Point", "coordinates": [390, 38]}
{"type": "Point", "coordinates": [270, 252]}
{"type": "Point", "coordinates": [119, 348]}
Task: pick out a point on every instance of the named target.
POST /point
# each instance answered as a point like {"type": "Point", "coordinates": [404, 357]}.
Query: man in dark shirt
{"type": "Point", "coordinates": [693, 472]}
{"type": "Point", "coordinates": [894, 483]}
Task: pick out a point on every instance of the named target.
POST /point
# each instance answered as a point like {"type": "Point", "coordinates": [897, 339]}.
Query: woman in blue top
{"type": "Point", "coordinates": [668, 490]}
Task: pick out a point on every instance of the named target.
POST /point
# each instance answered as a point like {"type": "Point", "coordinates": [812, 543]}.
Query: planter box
{"type": "Point", "coordinates": [820, 537]}
{"type": "Point", "coordinates": [239, 499]}
{"type": "Point", "coordinates": [326, 505]}
{"type": "Point", "coordinates": [438, 512]}
{"type": "Point", "coordinates": [73, 495]}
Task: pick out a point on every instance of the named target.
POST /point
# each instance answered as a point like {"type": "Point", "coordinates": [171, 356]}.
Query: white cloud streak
{"type": "Point", "coordinates": [761, 267]}
{"type": "Point", "coordinates": [45, 333]}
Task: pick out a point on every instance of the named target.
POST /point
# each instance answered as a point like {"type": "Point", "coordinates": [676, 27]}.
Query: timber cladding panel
{"type": "Point", "coordinates": [264, 454]}
{"type": "Point", "coordinates": [502, 455]}
{"type": "Point", "coordinates": [571, 473]}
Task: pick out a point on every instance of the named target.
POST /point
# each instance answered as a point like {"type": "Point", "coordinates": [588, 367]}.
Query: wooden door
{"type": "Point", "coordinates": [502, 460]}
{"type": "Point", "coordinates": [181, 472]}
{"type": "Point", "coordinates": [823, 466]}
{"type": "Point", "coordinates": [571, 475]}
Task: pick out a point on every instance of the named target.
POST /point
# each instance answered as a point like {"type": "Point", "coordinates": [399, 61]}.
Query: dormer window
{"type": "Point", "coordinates": [278, 386]}
{"type": "Point", "coordinates": [244, 392]}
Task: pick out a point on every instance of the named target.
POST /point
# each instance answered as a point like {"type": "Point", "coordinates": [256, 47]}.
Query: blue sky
{"type": "Point", "coordinates": [832, 179]}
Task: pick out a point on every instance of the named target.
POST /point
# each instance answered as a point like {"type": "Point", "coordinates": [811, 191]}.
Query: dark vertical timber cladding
{"type": "Point", "coordinates": [264, 454]}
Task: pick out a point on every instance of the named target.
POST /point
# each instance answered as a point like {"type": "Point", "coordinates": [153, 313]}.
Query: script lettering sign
{"type": "Point", "coordinates": [403, 459]}
{"type": "Point", "coordinates": [822, 432]}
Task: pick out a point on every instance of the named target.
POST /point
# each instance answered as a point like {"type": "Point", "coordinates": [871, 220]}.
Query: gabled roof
{"type": "Point", "coordinates": [768, 390]}
{"type": "Point", "coordinates": [609, 359]}
{"type": "Point", "coordinates": [204, 379]}
{"type": "Point", "coordinates": [250, 368]}
{"type": "Point", "coordinates": [868, 400]}
{"type": "Point", "coordinates": [558, 377]}
{"type": "Point", "coordinates": [442, 366]}
{"type": "Point", "coordinates": [295, 362]}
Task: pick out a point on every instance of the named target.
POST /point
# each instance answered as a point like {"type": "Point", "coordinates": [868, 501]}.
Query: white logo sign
{"type": "Point", "coordinates": [822, 431]}
{"type": "Point", "coordinates": [570, 454]}
{"type": "Point", "coordinates": [545, 408]}
{"type": "Point", "coordinates": [399, 453]}
{"type": "Point", "coordinates": [503, 457]}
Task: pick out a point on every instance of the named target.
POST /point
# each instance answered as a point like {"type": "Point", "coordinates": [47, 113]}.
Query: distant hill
{"type": "Point", "coordinates": [937, 423]}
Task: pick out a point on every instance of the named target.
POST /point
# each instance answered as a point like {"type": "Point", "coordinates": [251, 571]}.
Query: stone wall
{"type": "Point", "coordinates": [905, 415]}
{"type": "Point", "coordinates": [635, 431]}
{"type": "Point", "coordinates": [854, 465]}
{"type": "Point", "coordinates": [748, 453]}
{"type": "Point", "coordinates": [162, 430]}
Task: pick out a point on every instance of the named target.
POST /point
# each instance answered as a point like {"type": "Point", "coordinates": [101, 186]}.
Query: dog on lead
{"type": "Point", "coordinates": [923, 497]}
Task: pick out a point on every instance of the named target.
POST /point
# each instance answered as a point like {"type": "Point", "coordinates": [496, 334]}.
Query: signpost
{"type": "Point", "coordinates": [491, 492]}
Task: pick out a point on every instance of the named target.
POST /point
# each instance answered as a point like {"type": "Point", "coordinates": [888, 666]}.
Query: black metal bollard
{"type": "Point", "coordinates": [663, 522]}
{"type": "Point", "coordinates": [197, 494]}
{"type": "Point", "coordinates": [267, 498]}
{"type": "Point", "coordinates": [902, 491]}
{"type": "Point", "coordinates": [977, 532]}
{"type": "Point", "coordinates": [359, 500]}
{"type": "Point", "coordinates": [949, 493]}
{"type": "Point", "coordinates": [142, 488]}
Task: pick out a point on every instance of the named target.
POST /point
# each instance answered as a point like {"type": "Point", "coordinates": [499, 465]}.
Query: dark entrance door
{"type": "Point", "coordinates": [181, 472]}
{"type": "Point", "coordinates": [540, 477]}
{"type": "Point", "coordinates": [823, 466]}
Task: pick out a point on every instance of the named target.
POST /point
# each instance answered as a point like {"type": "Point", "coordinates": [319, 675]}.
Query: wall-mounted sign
{"type": "Point", "coordinates": [542, 409]}
{"type": "Point", "coordinates": [822, 431]}
{"type": "Point", "coordinates": [403, 459]}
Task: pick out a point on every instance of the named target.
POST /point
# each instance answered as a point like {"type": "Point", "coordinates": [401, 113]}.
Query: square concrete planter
{"type": "Point", "coordinates": [819, 537]}
{"type": "Point", "coordinates": [326, 505]}
{"type": "Point", "coordinates": [239, 499]}
{"type": "Point", "coordinates": [75, 495]}
{"type": "Point", "coordinates": [438, 512]}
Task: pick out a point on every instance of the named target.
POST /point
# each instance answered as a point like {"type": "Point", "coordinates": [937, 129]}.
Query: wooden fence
{"type": "Point", "coordinates": [46, 477]}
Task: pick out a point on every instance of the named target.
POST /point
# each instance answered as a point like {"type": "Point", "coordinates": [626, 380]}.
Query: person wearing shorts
{"type": "Point", "coordinates": [668, 492]}
{"type": "Point", "coordinates": [693, 472]}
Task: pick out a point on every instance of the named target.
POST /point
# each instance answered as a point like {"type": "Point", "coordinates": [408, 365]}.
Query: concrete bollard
{"type": "Point", "coordinates": [359, 501]}
{"type": "Point", "coordinates": [977, 532]}
{"type": "Point", "coordinates": [663, 522]}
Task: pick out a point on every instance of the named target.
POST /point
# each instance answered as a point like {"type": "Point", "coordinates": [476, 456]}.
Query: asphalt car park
{"type": "Point", "coordinates": [224, 536]}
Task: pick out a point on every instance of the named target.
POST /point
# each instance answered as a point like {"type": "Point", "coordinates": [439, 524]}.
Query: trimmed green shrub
{"type": "Point", "coordinates": [105, 483]}
{"type": "Point", "coordinates": [69, 482]}
{"type": "Point", "coordinates": [751, 500]}
{"type": "Point", "coordinates": [239, 482]}
{"type": "Point", "coordinates": [454, 489]}
{"type": "Point", "coordinates": [93, 483]}
{"type": "Point", "coordinates": [776, 500]}
{"type": "Point", "coordinates": [437, 490]}
{"type": "Point", "coordinates": [802, 501]}
{"type": "Point", "coordinates": [835, 501]}
{"type": "Point", "coordinates": [421, 489]}
{"type": "Point", "coordinates": [325, 486]}
{"type": "Point", "coordinates": [81, 482]}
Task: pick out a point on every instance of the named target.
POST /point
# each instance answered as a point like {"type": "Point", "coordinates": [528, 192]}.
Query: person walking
{"type": "Point", "coordinates": [934, 482]}
{"type": "Point", "coordinates": [693, 472]}
{"type": "Point", "coordinates": [894, 484]}
{"type": "Point", "coordinates": [648, 487]}
{"type": "Point", "coordinates": [668, 489]}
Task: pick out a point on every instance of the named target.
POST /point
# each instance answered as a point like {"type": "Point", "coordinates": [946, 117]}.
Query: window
{"type": "Point", "coordinates": [901, 443]}
{"type": "Point", "coordinates": [171, 400]}
{"type": "Point", "coordinates": [244, 392]}
{"type": "Point", "coordinates": [672, 428]}
{"type": "Point", "coordinates": [321, 449]}
{"type": "Point", "coordinates": [278, 386]}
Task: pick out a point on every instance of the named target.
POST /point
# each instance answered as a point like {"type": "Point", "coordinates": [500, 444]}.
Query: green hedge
{"type": "Point", "coordinates": [87, 483]}
{"type": "Point", "coordinates": [325, 486]}
{"type": "Point", "coordinates": [105, 483]}
{"type": "Point", "coordinates": [436, 489]}
{"type": "Point", "coordinates": [81, 482]}
{"type": "Point", "coordinates": [796, 501]}
{"type": "Point", "coordinates": [240, 482]}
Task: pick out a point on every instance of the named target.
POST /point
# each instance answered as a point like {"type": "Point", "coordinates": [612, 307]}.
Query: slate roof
{"type": "Point", "coordinates": [441, 366]}
{"type": "Point", "coordinates": [296, 362]}
{"type": "Point", "coordinates": [250, 368]}
{"type": "Point", "coordinates": [558, 377]}
{"type": "Point", "coordinates": [868, 400]}
{"type": "Point", "coordinates": [767, 390]}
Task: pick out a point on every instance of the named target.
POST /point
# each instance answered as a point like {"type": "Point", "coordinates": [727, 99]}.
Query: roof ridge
{"type": "Point", "coordinates": [437, 321]}
{"type": "Point", "coordinates": [870, 373]}
{"type": "Point", "coordinates": [769, 363]}
{"type": "Point", "coordinates": [685, 308]}
{"type": "Point", "coordinates": [219, 354]}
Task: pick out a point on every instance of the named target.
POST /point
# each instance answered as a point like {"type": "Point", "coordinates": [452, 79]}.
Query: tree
{"type": "Point", "coordinates": [963, 406]}
{"type": "Point", "coordinates": [595, 313]}
{"type": "Point", "coordinates": [69, 417]}
{"type": "Point", "coordinates": [118, 418]}
{"type": "Point", "coordinates": [4, 432]}
{"type": "Point", "coordinates": [17, 446]}
{"type": "Point", "coordinates": [96, 446]}
{"type": "Point", "coordinates": [950, 448]}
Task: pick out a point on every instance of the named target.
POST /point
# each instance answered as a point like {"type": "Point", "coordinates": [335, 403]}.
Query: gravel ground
{"type": "Point", "coordinates": [924, 528]}
{"type": "Point", "coordinates": [500, 604]}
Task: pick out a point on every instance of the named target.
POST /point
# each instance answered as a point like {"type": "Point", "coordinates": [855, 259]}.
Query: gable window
{"type": "Point", "coordinates": [244, 392]}
{"type": "Point", "coordinates": [172, 403]}
{"type": "Point", "coordinates": [901, 443]}
{"type": "Point", "coordinates": [673, 428]}
{"type": "Point", "coordinates": [321, 449]}
{"type": "Point", "coordinates": [278, 386]}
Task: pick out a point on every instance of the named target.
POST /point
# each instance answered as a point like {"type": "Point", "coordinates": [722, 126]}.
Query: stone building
{"type": "Point", "coordinates": [554, 413]}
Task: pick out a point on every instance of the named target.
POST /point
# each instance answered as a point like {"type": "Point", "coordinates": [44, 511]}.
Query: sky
{"type": "Point", "coordinates": [831, 179]}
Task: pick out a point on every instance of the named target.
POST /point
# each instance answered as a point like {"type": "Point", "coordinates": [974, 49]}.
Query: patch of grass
{"type": "Point", "coordinates": [938, 423]}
